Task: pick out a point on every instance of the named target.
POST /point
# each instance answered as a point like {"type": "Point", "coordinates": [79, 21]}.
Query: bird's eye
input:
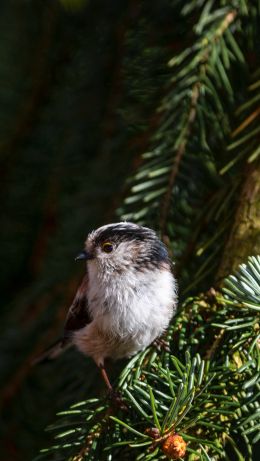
{"type": "Point", "coordinates": [107, 247]}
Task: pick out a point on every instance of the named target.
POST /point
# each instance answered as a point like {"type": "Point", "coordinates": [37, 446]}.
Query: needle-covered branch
{"type": "Point", "coordinates": [211, 404]}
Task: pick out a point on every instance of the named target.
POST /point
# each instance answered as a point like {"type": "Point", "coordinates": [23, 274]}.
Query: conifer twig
{"type": "Point", "coordinates": [166, 202]}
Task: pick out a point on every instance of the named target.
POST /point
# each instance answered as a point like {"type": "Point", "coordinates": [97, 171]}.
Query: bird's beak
{"type": "Point", "coordinates": [84, 255]}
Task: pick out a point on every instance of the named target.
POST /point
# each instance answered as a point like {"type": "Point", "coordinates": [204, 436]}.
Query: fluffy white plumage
{"type": "Point", "coordinates": [129, 307]}
{"type": "Point", "coordinates": [126, 299]}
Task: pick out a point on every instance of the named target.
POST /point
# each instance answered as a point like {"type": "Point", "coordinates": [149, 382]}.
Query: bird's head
{"type": "Point", "coordinates": [124, 245]}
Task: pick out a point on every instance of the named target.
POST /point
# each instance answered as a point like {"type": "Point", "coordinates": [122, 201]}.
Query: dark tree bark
{"type": "Point", "coordinates": [244, 239]}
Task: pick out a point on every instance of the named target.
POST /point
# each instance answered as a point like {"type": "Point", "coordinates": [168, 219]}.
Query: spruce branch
{"type": "Point", "coordinates": [209, 403]}
{"type": "Point", "coordinates": [178, 188]}
{"type": "Point", "coordinates": [166, 201]}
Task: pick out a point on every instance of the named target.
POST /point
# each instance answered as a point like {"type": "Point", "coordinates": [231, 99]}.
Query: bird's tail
{"type": "Point", "coordinates": [53, 352]}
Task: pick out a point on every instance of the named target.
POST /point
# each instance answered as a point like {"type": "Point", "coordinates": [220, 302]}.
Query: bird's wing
{"type": "Point", "coordinates": [78, 315]}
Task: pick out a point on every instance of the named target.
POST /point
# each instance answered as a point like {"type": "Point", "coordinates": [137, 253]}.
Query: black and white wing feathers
{"type": "Point", "coordinates": [77, 317]}
{"type": "Point", "coordinates": [78, 314]}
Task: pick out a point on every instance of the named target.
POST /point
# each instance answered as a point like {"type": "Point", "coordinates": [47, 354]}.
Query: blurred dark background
{"type": "Point", "coordinates": [79, 82]}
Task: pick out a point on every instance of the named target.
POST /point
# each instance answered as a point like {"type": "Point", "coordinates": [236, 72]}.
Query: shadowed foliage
{"type": "Point", "coordinates": [145, 111]}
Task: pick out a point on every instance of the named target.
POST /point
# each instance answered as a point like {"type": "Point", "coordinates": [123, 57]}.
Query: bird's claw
{"type": "Point", "coordinates": [161, 344]}
{"type": "Point", "coordinates": [117, 399]}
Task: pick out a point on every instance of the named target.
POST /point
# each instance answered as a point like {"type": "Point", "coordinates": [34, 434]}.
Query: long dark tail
{"type": "Point", "coordinates": [53, 352]}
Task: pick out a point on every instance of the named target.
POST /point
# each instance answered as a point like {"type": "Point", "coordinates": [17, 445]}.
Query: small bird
{"type": "Point", "coordinates": [127, 296]}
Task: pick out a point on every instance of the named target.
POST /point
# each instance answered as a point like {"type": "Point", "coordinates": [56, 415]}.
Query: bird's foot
{"type": "Point", "coordinates": [117, 400]}
{"type": "Point", "coordinates": [161, 345]}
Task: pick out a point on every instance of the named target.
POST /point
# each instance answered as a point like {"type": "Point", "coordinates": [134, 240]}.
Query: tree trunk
{"type": "Point", "coordinates": [244, 239]}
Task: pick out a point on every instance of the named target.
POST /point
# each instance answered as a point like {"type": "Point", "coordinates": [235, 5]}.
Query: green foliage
{"type": "Point", "coordinates": [181, 187]}
{"type": "Point", "coordinates": [79, 102]}
{"type": "Point", "coordinates": [244, 142]}
{"type": "Point", "coordinates": [213, 403]}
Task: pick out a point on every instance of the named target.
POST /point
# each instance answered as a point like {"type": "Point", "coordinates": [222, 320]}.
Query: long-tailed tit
{"type": "Point", "coordinates": [127, 296]}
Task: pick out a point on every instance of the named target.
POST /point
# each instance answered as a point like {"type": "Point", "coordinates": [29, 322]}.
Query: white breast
{"type": "Point", "coordinates": [135, 308]}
